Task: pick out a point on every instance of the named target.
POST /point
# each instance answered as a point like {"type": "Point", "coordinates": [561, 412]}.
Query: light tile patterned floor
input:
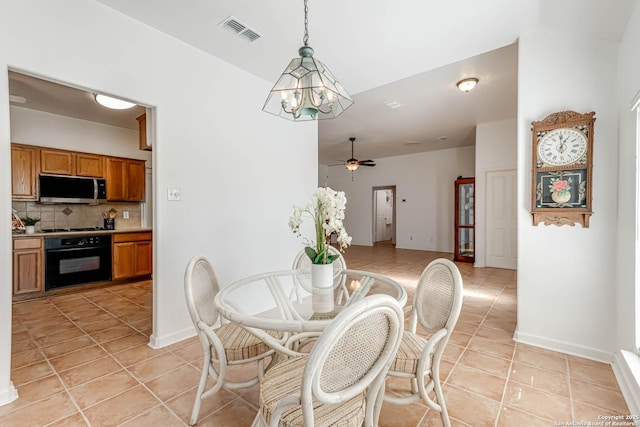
{"type": "Point", "coordinates": [82, 360]}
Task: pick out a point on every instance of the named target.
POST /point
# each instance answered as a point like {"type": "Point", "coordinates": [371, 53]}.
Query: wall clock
{"type": "Point", "coordinates": [561, 177]}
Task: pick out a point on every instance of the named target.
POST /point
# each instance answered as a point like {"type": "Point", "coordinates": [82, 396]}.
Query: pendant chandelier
{"type": "Point", "coordinates": [307, 90]}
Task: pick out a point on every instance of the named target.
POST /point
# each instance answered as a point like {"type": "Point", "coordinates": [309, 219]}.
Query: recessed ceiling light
{"type": "Point", "coordinates": [466, 85]}
{"type": "Point", "coordinates": [443, 138]}
{"type": "Point", "coordinates": [393, 104]}
{"type": "Point", "coordinates": [113, 103]}
{"type": "Point", "coordinates": [412, 143]}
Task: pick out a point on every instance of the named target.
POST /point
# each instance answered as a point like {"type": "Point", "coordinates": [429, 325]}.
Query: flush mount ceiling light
{"type": "Point", "coordinates": [307, 90]}
{"type": "Point", "coordinates": [466, 85]}
{"type": "Point", "coordinates": [17, 99]}
{"type": "Point", "coordinates": [113, 103]}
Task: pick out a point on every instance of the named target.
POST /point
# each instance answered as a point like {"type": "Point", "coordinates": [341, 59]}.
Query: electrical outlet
{"type": "Point", "coordinates": [125, 214]}
{"type": "Point", "coordinates": [173, 194]}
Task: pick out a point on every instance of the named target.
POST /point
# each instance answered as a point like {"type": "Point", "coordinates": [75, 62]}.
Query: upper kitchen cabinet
{"type": "Point", "coordinates": [57, 162]}
{"type": "Point", "coordinates": [63, 162]}
{"type": "Point", "coordinates": [24, 172]}
{"type": "Point", "coordinates": [125, 179]}
{"type": "Point", "coordinates": [90, 165]}
{"type": "Point", "coordinates": [142, 127]}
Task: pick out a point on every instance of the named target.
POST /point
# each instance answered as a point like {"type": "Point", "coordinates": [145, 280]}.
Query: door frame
{"type": "Point", "coordinates": [375, 212]}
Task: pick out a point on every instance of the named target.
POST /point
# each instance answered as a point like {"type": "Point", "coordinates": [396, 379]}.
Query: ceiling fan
{"type": "Point", "coordinates": [353, 164]}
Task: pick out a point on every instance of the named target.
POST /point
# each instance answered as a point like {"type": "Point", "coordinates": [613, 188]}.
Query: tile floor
{"type": "Point", "coordinates": [81, 360]}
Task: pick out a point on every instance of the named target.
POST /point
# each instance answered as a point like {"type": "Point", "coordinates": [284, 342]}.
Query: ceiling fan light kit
{"type": "Point", "coordinates": [307, 90]}
{"type": "Point", "coordinates": [352, 164]}
{"type": "Point", "coordinates": [465, 85]}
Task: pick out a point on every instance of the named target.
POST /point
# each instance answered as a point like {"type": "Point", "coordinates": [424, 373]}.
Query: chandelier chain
{"type": "Point", "coordinates": [305, 39]}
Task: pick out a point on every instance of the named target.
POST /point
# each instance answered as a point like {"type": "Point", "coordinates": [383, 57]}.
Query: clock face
{"type": "Point", "coordinates": [561, 147]}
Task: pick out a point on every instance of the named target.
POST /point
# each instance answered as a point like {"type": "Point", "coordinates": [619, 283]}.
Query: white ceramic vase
{"type": "Point", "coordinates": [322, 275]}
{"type": "Point", "coordinates": [322, 287]}
{"type": "Point", "coordinates": [29, 229]}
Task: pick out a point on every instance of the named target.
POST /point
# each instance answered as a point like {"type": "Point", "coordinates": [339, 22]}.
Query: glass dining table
{"type": "Point", "coordinates": [284, 309]}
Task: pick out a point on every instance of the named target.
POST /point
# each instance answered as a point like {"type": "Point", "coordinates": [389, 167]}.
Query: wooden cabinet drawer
{"type": "Point", "coordinates": [131, 237]}
{"type": "Point", "coordinates": [27, 243]}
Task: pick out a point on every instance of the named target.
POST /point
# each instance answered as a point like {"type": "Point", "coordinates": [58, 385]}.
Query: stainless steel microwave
{"type": "Point", "coordinates": [71, 189]}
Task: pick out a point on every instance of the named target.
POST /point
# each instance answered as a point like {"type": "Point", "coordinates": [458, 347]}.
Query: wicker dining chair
{"type": "Point", "coordinates": [341, 381]}
{"type": "Point", "coordinates": [436, 306]}
{"type": "Point", "coordinates": [224, 344]}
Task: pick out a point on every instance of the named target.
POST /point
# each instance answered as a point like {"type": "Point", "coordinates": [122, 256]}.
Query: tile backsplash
{"type": "Point", "coordinates": [77, 215]}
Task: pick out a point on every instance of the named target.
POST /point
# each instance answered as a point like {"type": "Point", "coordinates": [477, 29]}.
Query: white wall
{"type": "Point", "coordinates": [34, 127]}
{"type": "Point", "coordinates": [235, 212]}
{"type": "Point", "coordinates": [626, 365]}
{"type": "Point", "coordinates": [425, 181]}
{"type": "Point", "coordinates": [567, 275]}
{"type": "Point", "coordinates": [627, 231]}
{"type": "Point", "coordinates": [495, 150]}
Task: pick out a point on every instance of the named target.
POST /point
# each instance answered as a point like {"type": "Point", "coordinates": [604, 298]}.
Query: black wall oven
{"type": "Point", "coordinates": [76, 260]}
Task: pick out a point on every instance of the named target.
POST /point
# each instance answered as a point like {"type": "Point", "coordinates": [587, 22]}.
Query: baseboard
{"type": "Point", "coordinates": [8, 394]}
{"type": "Point", "coordinates": [157, 342]}
{"type": "Point", "coordinates": [626, 367]}
{"type": "Point", "coordinates": [564, 347]}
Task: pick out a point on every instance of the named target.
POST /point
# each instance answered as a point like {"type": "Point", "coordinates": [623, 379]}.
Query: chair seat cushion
{"type": "Point", "coordinates": [285, 379]}
{"type": "Point", "coordinates": [411, 347]}
{"type": "Point", "coordinates": [240, 344]}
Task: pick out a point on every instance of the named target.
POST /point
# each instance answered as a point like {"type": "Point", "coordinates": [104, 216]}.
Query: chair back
{"type": "Point", "coordinates": [353, 354]}
{"type": "Point", "coordinates": [200, 289]}
{"type": "Point", "coordinates": [438, 298]}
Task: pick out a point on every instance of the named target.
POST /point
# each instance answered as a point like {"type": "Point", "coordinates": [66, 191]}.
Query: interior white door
{"type": "Point", "coordinates": [501, 219]}
{"type": "Point", "coordinates": [380, 215]}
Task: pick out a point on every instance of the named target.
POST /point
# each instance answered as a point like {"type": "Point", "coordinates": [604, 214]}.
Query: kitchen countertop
{"type": "Point", "coordinates": [80, 233]}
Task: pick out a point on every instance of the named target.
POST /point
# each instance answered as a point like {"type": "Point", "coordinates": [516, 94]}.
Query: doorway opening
{"type": "Point", "coordinates": [54, 120]}
{"type": "Point", "coordinates": [384, 214]}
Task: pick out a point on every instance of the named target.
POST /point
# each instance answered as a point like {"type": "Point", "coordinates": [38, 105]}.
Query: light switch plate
{"type": "Point", "coordinates": [173, 194]}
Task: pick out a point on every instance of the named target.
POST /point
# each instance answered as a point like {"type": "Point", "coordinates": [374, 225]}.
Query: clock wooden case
{"type": "Point", "coordinates": [561, 180]}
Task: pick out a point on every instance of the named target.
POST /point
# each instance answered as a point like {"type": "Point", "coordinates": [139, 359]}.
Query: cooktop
{"type": "Point", "coordinates": [60, 230]}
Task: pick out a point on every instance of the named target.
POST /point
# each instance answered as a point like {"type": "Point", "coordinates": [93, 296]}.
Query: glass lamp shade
{"type": "Point", "coordinates": [352, 166]}
{"type": "Point", "coordinates": [307, 90]}
{"type": "Point", "coordinates": [467, 84]}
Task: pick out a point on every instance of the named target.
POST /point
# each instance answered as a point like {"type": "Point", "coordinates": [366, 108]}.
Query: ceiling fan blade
{"type": "Point", "coordinates": [367, 164]}
{"type": "Point", "coordinates": [365, 161]}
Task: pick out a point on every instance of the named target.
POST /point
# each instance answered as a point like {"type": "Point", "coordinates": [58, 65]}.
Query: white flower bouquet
{"type": "Point", "coordinates": [327, 210]}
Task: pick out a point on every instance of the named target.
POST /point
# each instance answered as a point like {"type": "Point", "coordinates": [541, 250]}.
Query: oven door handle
{"type": "Point", "coordinates": [55, 251]}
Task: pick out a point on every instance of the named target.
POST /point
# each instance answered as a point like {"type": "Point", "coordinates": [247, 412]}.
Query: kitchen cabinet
{"type": "Point", "coordinates": [89, 165]}
{"type": "Point", "coordinates": [24, 172]}
{"type": "Point", "coordinates": [27, 265]}
{"type": "Point", "coordinates": [464, 224]}
{"type": "Point", "coordinates": [62, 162]}
{"type": "Point", "coordinates": [125, 179]}
{"type": "Point", "coordinates": [142, 128]}
{"type": "Point", "coordinates": [57, 162]}
{"type": "Point", "coordinates": [132, 255]}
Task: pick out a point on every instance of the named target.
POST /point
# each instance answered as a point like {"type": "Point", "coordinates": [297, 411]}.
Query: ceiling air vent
{"type": "Point", "coordinates": [240, 29]}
